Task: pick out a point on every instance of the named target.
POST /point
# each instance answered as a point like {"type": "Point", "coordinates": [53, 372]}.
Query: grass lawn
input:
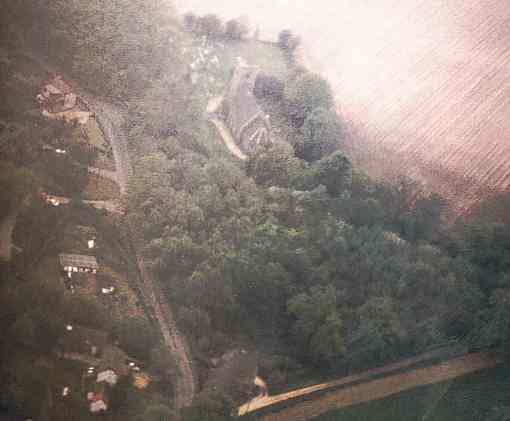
{"type": "Point", "coordinates": [476, 397]}
{"type": "Point", "coordinates": [214, 60]}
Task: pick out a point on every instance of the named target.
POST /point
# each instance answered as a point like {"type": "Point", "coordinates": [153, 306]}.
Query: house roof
{"type": "Point", "coordinates": [98, 405]}
{"type": "Point", "coordinates": [107, 376]}
{"type": "Point", "coordinates": [60, 84]}
{"type": "Point", "coordinates": [243, 104]}
{"type": "Point", "coordinates": [78, 260]}
{"type": "Point", "coordinates": [242, 112]}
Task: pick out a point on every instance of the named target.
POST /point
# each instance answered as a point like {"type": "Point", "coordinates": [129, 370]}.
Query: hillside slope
{"type": "Point", "coordinates": [433, 97]}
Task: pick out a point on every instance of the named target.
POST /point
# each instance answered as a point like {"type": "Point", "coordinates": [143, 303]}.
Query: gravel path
{"type": "Point", "coordinates": [7, 225]}
{"type": "Point", "coordinates": [111, 121]}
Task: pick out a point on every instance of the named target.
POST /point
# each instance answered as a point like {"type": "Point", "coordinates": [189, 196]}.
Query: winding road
{"type": "Point", "coordinates": [7, 225]}
{"type": "Point", "coordinates": [111, 121]}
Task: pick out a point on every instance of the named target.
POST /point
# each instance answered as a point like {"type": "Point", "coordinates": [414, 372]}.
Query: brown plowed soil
{"type": "Point", "coordinates": [381, 388]}
{"type": "Point", "coordinates": [264, 400]}
{"type": "Point", "coordinates": [434, 99]}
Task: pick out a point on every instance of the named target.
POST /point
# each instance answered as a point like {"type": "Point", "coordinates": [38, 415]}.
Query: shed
{"type": "Point", "coordinates": [107, 376]}
{"type": "Point", "coordinates": [78, 263]}
{"type": "Point", "coordinates": [98, 403]}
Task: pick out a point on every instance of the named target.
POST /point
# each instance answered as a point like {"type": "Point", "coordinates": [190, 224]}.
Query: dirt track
{"type": "Point", "coordinates": [6, 230]}
{"type": "Point", "coordinates": [266, 400]}
{"type": "Point", "coordinates": [381, 388]}
{"type": "Point", "coordinates": [111, 121]}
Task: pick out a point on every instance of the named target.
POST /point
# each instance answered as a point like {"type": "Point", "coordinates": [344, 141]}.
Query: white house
{"type": "Point", "coordinates": [107, 376]}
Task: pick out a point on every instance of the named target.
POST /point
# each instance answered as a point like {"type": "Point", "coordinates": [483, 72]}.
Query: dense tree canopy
{"type": "Point", "coordinates": [114, 48]}
{"type": "Point", "coordinates": [304, 94]}
{"type": "Point", "coordinates": [287, 255]}
{"type": "Point", "coordinates": [137, 336]}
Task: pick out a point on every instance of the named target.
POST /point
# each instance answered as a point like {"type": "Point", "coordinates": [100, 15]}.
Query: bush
{"type": "Point", "coordinates": [306, 93]}
{"type": "Point", "coordinates": [159, 413]}
{"type": "Point", "coordinates": [268, 87]}
{"type": "Point", "coordinates": [287, 41]}
{"type": "Point", "coordinates": [210, 405]}
{"type": "Point", "coordinates": [235, 29]}
{"type": "Point", "coordinates": [335, 173]}
{"type": "Point", "coordinates": [275, 166]}
{"type": "Point", "coordinates": [322, 133]}
{"type": "Point", "coordinates": [136, 336]}
{"type": "Point", "coordinates": [209, 25]}
{"type": "Point", "coordinates": [190, 21]}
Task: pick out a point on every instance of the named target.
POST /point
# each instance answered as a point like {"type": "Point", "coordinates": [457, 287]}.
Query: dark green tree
{"type": "Point", "coordinates": [212, 405]}
{"type": "Point", "coordinates": [235, 30]}
{"type": "Point", "coordinates": [209, 25]}
{"type": "Point", "coordinates": [136, 336]}
{"type": "Point", "coordinates": [317, 324]}
{"type": "Point", "coordinates": [334, 172]}
{"type": "Point", "coordinates": [322, 135]}
{"type": "Point", "coordinates": [287, 41]}
{"type": "Point", "coordinates": [275, 166]}
{"type": "Point", "coordinates": [304, 94]}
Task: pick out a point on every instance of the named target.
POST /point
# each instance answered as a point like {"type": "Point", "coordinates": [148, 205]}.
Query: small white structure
{"type": "Point", "coordinates": [98, 406]}
{"type": "Point", "coordinates": [108, 290]}
{"type": "Point", "coordinates": [91, 244]}
{"type": "Point", "coordinates": [107, 376]}
{"type": "Point", "coordinates": [65, 391]}
{"type": "Point", "coordinates": [69, 101]}
{"type": "Point", "coordinates": [53, 201]}
{"type": "Point", "coordinates": [69, 328]}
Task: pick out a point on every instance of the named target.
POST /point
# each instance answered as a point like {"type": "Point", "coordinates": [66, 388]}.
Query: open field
{"type": "Point", "coordinates": [434, 100]}
{"type": "Point", "coordinates": [380, 388]}
{"type": "Point", "coordinates": [472, 398]}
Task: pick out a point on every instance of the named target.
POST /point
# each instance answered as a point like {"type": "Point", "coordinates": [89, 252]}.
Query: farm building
{"type": "Point", "coordinates": [78, 263]}
{"type": "Point", "coordinates": [247, 121]}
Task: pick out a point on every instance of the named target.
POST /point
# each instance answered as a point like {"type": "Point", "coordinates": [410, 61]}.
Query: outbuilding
{"type": "Point", "coordinates": [78, 263]}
